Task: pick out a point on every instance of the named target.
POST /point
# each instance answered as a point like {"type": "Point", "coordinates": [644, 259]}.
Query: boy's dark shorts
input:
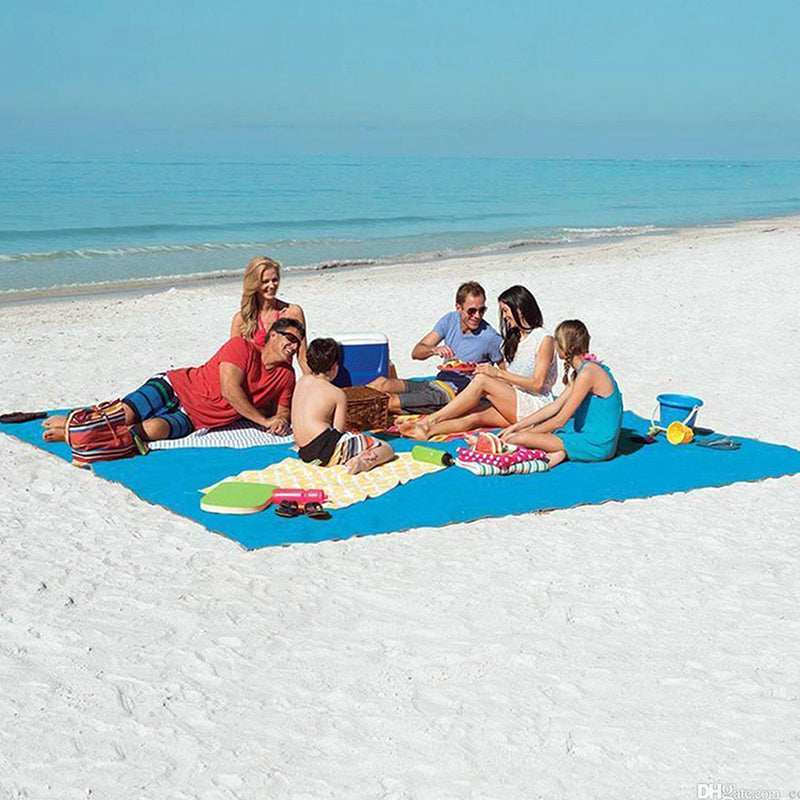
{"type": "Point", "coordinates": [322, 447]}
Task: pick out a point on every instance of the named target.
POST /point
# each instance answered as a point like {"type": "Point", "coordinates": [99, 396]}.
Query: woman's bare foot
{"type": "Point", "coordinates": [416, 429]}
{"type": "Point", "coordinates": [54, 422]}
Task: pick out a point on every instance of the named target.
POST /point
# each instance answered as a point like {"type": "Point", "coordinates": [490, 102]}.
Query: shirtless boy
{"type": "Point", "coordinates": [318, 417]}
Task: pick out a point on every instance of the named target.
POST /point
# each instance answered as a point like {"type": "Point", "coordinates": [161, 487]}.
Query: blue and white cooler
{"type": "Point", "coordinates": [365, 356]}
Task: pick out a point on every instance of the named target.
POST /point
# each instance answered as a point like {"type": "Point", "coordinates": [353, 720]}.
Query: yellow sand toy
{"type": "Point", "coordinates": [678, 433]}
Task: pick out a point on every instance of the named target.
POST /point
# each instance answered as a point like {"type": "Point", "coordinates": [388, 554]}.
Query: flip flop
{"type": "Point", "coordinates": [22, 416]}
{"type": "Point", "coordinates": [288, 509]}
{"type": "Point", "coordinates": [723, 443]}
{"type": "Point", "coordinates": [316, 511]}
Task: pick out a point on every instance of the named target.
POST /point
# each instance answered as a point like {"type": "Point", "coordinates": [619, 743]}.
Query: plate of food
{"type": "Point", "coordinates": [456, 365]}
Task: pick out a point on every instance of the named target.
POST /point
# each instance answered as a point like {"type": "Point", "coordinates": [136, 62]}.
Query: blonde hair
{"type": "Point", "coordinates": [573, 338]}
{"type": "Point", "coordinates": [250, 306]}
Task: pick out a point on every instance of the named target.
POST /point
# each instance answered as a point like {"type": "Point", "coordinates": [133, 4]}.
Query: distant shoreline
{"type": "Point", "coordinates": [125, 287]}
{"type": "Point", "coordinates": [142, 286]}
{"type": "Point", "coordinates": [148, 224]}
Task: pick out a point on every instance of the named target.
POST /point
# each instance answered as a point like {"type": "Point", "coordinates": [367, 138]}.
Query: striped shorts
{"type": "Point", "coordinates": [156, 399]}
{"type": "Point", "coordinates": [350, 446]}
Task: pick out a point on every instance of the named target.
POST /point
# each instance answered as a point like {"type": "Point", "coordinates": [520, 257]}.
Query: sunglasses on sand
{"type": "Point", "coordinates": [291, 337]}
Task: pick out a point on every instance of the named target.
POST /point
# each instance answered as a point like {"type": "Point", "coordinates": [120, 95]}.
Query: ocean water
{"type": "Point", "coordinates": [72, 222]}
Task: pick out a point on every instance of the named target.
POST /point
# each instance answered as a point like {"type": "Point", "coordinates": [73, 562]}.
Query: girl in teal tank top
{"type": "Point", "coordinates": [584, 422]}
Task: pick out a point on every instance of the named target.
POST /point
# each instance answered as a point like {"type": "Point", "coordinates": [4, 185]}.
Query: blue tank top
{"type": "Point", "coordinates": [599, 418]}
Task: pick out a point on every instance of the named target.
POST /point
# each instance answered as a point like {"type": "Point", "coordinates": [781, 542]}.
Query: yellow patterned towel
{"type": "Point", "coordinates": [342, 488]}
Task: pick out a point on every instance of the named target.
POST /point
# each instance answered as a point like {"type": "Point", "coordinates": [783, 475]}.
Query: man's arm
{"type": "Point", "coordinates": [231, 381]}
{"type": "Point", "coordinates": [280, 423]}
{"type": "Point", "coordinates": [429, 346]}
{"type": "Point", "coordinates": [496, 349]}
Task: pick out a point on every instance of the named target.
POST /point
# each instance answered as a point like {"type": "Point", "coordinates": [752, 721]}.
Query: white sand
{"type": "Point", "coordinates": [625, 650]}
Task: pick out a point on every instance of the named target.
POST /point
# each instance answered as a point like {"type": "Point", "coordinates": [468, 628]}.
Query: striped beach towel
{"type": "Point", "coordinates": [521, 468]}
{"type": "Point", "coordinates": [238, 435]}
{"type": "Point", "coordinates": [490, 455]}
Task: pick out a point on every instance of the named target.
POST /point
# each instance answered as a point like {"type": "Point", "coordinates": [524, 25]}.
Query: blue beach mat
{"type": "Point", "coordinates": [172, 478]}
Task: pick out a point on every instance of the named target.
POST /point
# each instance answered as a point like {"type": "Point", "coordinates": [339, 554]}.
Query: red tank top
{"type": "Point", "coordinates": [260, 336]}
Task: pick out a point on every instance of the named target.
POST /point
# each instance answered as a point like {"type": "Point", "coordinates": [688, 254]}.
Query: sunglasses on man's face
{"type": "Point", "coordinates": [480, 311]}
{"type": "Point", "coordinates": [291, 337]}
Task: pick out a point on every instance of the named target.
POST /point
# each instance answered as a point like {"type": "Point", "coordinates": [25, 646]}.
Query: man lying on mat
{"type": "Point", "coordinates": [238, 381]}
{"type": "Point", "coordinates": [466, 336]}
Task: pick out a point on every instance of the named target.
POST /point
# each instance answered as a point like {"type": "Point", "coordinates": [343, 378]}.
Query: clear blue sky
{"type": "Point", "coordinates": [610, 78]}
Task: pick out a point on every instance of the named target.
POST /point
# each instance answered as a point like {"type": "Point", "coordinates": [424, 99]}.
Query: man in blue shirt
{"type": "Point", "coordinates": [461, 334]}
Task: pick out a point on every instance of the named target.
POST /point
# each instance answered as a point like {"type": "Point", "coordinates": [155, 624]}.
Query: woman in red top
{"type": "Point", "coordinates": [260, 306]}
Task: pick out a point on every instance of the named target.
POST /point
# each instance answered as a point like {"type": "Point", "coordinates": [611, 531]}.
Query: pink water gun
{"type": "Point", "coordinates": [300, 496]}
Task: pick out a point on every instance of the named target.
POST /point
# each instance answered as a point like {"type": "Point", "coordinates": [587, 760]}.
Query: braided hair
{"type": "Point", "coordinates": [572, 339]}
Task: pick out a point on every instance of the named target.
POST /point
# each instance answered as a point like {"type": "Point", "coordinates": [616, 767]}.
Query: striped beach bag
{"type": "Point", "coordinates": [99, 433]}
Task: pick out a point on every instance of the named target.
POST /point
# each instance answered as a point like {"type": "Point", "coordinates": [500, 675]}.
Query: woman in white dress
{"type": "Point", "coordinates": [499, 396]}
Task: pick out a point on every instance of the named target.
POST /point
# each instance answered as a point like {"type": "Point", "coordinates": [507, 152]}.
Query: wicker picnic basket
{"type": "Point", "coordinates": [367, 409]}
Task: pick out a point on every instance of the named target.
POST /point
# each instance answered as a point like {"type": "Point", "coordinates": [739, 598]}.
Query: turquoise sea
{"type": "Point", "coordinates": [69, 222]}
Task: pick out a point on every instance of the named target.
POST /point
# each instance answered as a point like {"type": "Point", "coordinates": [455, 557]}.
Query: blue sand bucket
{"type": "Point", "coordinates": [681, 408]}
